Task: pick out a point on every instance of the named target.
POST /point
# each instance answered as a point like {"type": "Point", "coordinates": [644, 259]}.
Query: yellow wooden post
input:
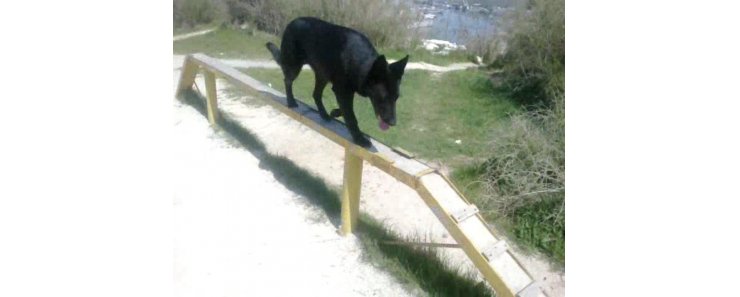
{"type": "Point", "coordinates": [187, 76]}
{"type": "Point", "coordinates": [351, 191]}
{"type": "Point", "coordinates": [211, 101]}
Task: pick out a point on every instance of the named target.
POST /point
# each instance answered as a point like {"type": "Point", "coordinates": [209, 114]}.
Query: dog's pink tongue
{"type": "Point", "coordinates": [382, 124]}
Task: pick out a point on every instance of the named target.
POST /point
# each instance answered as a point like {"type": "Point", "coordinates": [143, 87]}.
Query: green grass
{"type": "Point", "coordinates": [434, 111]}
{"type": "Point", "coordinates": [421, 266]}
{"type": "Point", "coordinates": [228, 43]}
{"type": "Point", "coordinates": [250, 44]}
{"type": "Point", "coordinates": [468, 179]}
{"type": "Point", "coordinates": [533, 225]}
{"type": "Point", "coordinates": [420, 270]}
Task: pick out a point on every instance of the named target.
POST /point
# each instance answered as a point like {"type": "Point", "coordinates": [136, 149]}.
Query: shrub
{"type": "Point", "coordinates": [489, 48]}
{"type": "Point", "coordinates": [529, 161]}
{"type": "Point", "coordinates": [266, 15]}
{"type": "Point", "coordinates": [188, 13]}
{"type": "Point", "coordinates": [385, 22]}
{"type": "Point", "coordinates": [534, 62]}
{"type": "Point", "coordinates": [525, 180]}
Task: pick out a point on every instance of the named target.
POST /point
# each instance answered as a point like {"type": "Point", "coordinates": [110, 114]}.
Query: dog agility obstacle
{"type": "Point", "coordinates": [461, 218]}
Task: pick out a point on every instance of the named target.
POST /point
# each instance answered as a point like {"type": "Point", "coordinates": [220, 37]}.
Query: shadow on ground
{"type": "Point", "coordinates": [409, 265]}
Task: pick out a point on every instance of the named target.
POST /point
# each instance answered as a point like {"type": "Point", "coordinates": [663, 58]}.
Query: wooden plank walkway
{"type": "Point", "coordinates": [461, 219]}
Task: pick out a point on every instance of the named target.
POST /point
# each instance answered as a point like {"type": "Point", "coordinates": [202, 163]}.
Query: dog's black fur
{"type": "Point", "coordinates": [348, 60]}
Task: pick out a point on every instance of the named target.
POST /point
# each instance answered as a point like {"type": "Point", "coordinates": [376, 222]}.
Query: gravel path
{"type": "Point", "coordinates": [189, 35]}
{"type": "Point", "coordinates": [239, 232]}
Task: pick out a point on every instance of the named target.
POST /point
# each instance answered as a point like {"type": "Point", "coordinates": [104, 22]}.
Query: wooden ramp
{"type": "Point", "coordinates": [461, 218]}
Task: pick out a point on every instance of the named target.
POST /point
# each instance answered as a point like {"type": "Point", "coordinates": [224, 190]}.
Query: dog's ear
{"type": "Point", "coordinates": [398, 67]}
{"type": "Point", "coordinates": [379, 70]}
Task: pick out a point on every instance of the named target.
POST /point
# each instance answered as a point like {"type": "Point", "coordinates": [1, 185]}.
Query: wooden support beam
{"type": "Point", "coordinates": [211, 100]}
{"type": "Point", "coordinates": [187, 76]}
{"type": "Point", "coordinates": [351, 191]}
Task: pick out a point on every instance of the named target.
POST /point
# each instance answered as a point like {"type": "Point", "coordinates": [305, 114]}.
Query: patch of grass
{"type": "Point", "coordinates": [524, 178]}
{"type": "Point", "coordinates": [419, 265]}
{"type": "Point", "coordinates": [228, 43]}
{"type": "Point", "coordinates": [419, 270]}
{"type": "Point", "coordinates": [522, 186]}
{"type": "Point", "coordinates": [468, 179]}
{"type": "Point", "coordinates": [434, 111]}
{"type": "Point", "coordinates": [534, 226]}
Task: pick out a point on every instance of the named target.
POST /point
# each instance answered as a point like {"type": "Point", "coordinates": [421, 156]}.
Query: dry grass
{"type": "Point", "coordinates": [384, 22]}
{"type": "Point", "coordinates": [190, 13]}
{"type": "Point", "coordinates": [524, 181]}
{"type": "Point", "coordinates": [534, 63]}
{"type": "Point", "coordinates": [529, 163]}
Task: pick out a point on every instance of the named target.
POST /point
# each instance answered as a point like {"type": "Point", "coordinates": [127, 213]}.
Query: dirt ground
{"type": "Point", "coordinates": [239, 232]}
{"type": "Point", "coordinates": [395, 204]}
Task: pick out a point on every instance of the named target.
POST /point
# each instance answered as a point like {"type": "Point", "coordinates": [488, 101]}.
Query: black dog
{"type": "Point", "coordinates": [348, 60]}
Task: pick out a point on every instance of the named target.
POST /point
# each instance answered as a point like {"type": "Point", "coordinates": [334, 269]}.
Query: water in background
{"type": "Point", "coordinates": [458, 21]}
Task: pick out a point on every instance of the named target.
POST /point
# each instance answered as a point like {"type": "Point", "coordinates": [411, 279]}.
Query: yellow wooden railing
{"type": "Point", "coordinates": [489, 254]}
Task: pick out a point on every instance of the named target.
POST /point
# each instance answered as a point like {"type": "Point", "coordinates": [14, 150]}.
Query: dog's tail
{"type": "Point", "coordinates": [274, 50]}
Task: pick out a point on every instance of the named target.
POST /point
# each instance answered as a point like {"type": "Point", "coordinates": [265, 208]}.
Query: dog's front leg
{"type": "Point", "coordinates": [345, 100]}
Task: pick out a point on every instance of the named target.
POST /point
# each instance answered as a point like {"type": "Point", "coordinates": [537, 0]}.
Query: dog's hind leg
{"type": "Point", "coordinates": [317, 91]}
{"type": "Point", "coordinates": [290, 74]}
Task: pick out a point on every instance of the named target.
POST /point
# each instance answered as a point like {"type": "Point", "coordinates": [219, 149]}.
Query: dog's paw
{"type": "Point", "coordinates": [335, 113]}
{"type": "Point", "coordinates": [362, 141]}
{"type": "Point", "coordinates": [325, 116]}
{"type": "Point", "coordinates": [292, 104]}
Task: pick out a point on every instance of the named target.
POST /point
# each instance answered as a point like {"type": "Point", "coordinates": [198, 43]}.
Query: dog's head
{"type": "Point", "coordinates": [382, 86]}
